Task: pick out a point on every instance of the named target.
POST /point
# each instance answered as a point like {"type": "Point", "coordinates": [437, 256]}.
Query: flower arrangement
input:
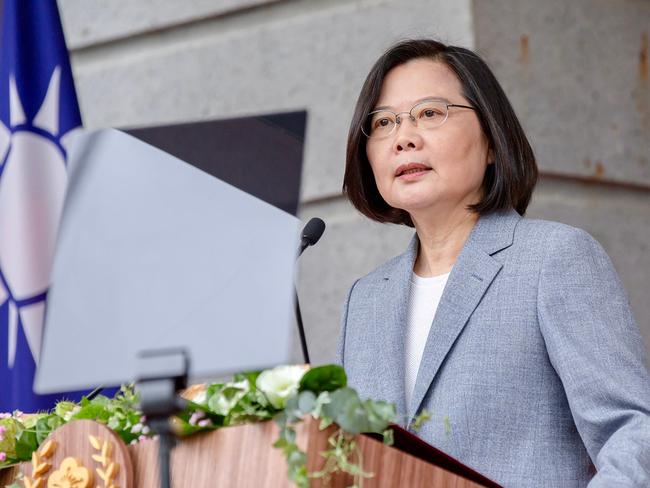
{"type": "Point", "coordinates": [285, 394]}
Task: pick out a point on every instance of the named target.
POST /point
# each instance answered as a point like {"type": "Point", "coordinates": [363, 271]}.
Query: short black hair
{"type": "Point", "coordinates": [510, 179]}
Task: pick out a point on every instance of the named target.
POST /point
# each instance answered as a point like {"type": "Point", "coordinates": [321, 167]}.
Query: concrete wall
{"type": "Point", "coordinates": [577, 75]}
{"type": "Point", "coordinates": [162, 61]}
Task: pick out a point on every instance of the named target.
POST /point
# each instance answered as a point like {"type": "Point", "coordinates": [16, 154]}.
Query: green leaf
{"type": "Point", "coordinates": [325, 422]}
{"type": "Point", "coordinates": [379, 414]}
{"type": "Point", "coordinates": [54, 422]}
{"type": "Point", "coordinates": [322, 399]}
{"type": "Point", "coordinates": [288, 434]}
{"type": "Point", "coordinates": [420, 419]}
{"type": "Point", "coordinates": [224, 400]}
{"type": "Point", "coordinates": [30, 422]}
{"type": "Point", "coordinates": [280, 443]}
{"type": "Point", "coordinates": [250, 376]}
{"type": "Point", "coordinates": [292, 409]}
{"type": "Point", "coordinates": [389, 437]}
{"type": "Point", "coordinates": [43, 429]}
{"type": "Point", "coordinates": [324, 378]}
{"type": "Point", "coordinates": [306, 402]}
{"type": "Point", "coordinates": [93, 411]}
{"type": "Point", "coordinates": [64, 408]}
{"type": "Point", "coordinates": [26, 444]}
{"type": "Point", "coordinates": [113, 423]}
{"type": "Point", "coordinates": [8, 441]}
{"type": "Point", "coordinates": [347, 410]}
{"type": "Point", "coordinates": [281, 420]}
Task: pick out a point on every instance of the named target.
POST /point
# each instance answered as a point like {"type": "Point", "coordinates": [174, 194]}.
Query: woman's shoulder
{"type": "Point", "coordinates": [547, 236]}
{"type": "Point", "coordinates": [388, 269]}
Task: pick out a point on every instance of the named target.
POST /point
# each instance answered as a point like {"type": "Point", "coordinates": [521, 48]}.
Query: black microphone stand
{"type": "Point", "coordinates": [311, 233]}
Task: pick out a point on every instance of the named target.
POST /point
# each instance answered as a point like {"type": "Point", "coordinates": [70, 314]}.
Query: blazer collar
{"type": "Point", "coordinates": [492, 233]}
{"type": "Point", "coordinates": [472, 274]}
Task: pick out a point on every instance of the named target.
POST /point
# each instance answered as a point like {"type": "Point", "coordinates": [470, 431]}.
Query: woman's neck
{"type": "Point", "coordinates": [441, 237]}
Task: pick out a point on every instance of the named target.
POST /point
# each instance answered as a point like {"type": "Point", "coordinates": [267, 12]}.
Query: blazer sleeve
{"type": "Point", "coordinates": [595, 346]}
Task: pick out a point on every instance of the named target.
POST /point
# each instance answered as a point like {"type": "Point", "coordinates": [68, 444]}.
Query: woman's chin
{"type": "Point", "coordinates": [416, 200]}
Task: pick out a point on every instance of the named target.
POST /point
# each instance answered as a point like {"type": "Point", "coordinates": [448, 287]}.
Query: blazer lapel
{"type": "Point", "coordinates": [391, 308]}
{"type": "Point", "coordinates": [471, 276]}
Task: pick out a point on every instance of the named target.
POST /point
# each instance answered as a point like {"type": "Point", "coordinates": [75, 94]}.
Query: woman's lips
{"type": "Point", "coordinates": [411, 171]}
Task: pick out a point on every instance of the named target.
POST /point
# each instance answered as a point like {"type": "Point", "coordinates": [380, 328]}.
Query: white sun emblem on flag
{"type": "Point", "coordinates": [33, 180]}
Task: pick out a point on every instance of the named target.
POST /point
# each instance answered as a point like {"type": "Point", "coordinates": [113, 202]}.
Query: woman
{"type": "Point", "coordinates": [514, 333]}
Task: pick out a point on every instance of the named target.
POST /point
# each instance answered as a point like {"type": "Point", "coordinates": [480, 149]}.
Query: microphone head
{"type": "Point", "coordinates": [313, 231]}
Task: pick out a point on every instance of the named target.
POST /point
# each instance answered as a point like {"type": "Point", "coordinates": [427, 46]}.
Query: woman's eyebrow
{"type": "Point", "coordinates": [420, 100]}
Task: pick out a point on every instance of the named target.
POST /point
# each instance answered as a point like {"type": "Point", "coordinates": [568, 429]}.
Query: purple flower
{"type": "Point", "coordinates": [196, 416]}
{"type": "Point", "coordinates": [3, 456]}
{"type": "Point", "coordinates": [205, 423]}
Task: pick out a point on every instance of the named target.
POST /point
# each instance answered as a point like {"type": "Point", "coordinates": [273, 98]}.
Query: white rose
{"type": "Point", "coordinates": [280, 383]}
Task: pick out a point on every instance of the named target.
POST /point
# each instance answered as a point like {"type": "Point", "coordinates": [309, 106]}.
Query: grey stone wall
{"type": "Point", "coordinates": [583, 101]}
{"type": "Point", "coordinates": [577, 75]}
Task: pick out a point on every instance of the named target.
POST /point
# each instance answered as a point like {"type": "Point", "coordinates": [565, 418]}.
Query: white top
{"type": "Point", "coordinates": [423, 302]}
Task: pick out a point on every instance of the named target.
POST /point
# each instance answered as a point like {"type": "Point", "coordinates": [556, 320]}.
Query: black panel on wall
{"type": "Point", "coordinates": [260, 155]}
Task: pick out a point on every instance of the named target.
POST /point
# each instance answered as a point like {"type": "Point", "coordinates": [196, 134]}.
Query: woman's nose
{"type": "Point", "coordinates": [407, 136]}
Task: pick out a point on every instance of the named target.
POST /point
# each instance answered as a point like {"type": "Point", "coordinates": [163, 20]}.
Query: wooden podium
{"type": "Point", "coordinates": [86, 454]}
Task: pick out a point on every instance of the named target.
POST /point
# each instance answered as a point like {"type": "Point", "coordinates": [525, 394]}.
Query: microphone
{"type": "Point", "coordinates": [311, 233]}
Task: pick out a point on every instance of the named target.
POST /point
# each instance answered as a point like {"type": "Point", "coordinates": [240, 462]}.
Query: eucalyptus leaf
{"type": "Point", "coordinates": [322, 393]}
{"type": "Point", "coordinates": [306, 402]}
{"type": "Point", "coordinates": [379, 415]}
{"type": "Point", "coordinates": [292, 409]}
{"type": "Point", "coordinates": [347, 410]}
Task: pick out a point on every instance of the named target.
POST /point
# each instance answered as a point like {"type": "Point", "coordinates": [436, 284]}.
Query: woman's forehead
{"type": "Point", "coordinates": [416, 80]}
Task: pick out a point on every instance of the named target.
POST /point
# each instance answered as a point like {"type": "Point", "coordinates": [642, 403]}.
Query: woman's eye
{"type": "Point", "coordinates": [382, 123]}
{"type": "Point", "coordinates": [428, 113]}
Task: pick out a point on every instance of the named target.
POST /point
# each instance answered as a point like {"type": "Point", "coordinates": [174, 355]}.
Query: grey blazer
{"type": "Point", "coordinates": [534, 368]}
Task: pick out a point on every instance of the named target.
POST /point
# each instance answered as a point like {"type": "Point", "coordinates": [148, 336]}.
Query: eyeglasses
{"type": "Point", "coordinates": [426, 115]}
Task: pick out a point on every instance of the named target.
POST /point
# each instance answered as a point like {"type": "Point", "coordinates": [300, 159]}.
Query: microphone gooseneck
{"type": "Point", "coordinates": [311, 233]}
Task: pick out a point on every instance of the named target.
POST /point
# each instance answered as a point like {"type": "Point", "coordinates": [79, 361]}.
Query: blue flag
{"type": "Point", "coordinates": [38, 112]}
